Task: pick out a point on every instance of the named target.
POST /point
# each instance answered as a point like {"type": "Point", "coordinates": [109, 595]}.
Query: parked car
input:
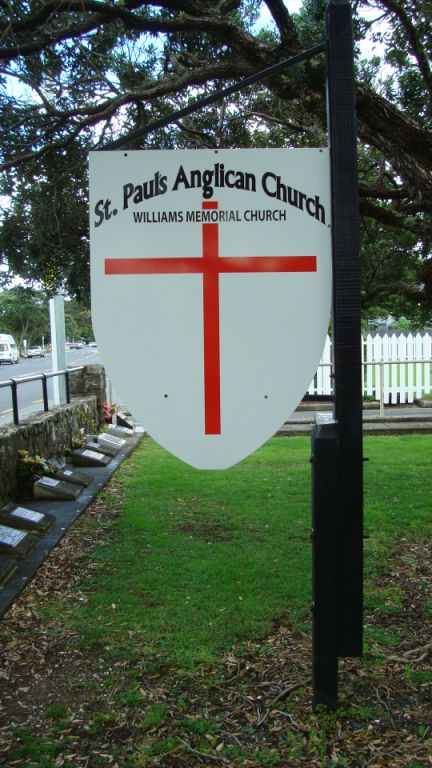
{"type": "Point", "coordinates": [35, 352]}
{"type": "Point", "coordinates": [8, 349]}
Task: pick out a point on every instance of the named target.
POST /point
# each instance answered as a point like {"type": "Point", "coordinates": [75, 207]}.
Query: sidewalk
{"type": "Point", "coordinates": [403, 419]}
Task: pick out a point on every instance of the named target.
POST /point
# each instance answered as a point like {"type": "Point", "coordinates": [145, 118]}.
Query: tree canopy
{"type": "Point", "coordinates": [24, 314]}
{"type": "Point", "coordinates": [81, 74]}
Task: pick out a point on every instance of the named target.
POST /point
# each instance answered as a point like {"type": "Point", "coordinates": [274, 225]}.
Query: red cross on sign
{"type": "Point", "coordinates": [211, 265]}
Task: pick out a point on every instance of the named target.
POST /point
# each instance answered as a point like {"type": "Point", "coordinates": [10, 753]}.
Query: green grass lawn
{"type": "Point", "coordinates": [200, 560]}
{"type": "Point", "coordinates": [172, 567]}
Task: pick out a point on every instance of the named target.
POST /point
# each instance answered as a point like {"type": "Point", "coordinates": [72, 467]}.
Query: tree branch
{"type": "Point", "coordinates": [62, 7]}
{"type": "Point", "coordinates": [384, 126]}
{"type": "Point", "coordinates": [275, 120]}
{"type": "Point", "coordinates": [390, 218]}
{"type": "Point", "coordinates": [383, 192]}
{"type": "Point", "coordinates": [202, 137]}
{"type": "Point", "coordinates": [75, 30]}
{"type": "Point", "coordinates": [413, 40]}
{"type": "Point", "coordinates": [284, 23]}
{"type": "Point", "coordinates": [228, 31]}
{"type": "Point", "coordinates": [92, 115]}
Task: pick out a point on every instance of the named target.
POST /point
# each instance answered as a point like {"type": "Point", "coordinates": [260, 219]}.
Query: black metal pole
{"type": "Point", "coordinates": [14, 393]}
{"type": "Point", "coordinates": [67, 386]}
{"type": "Point", "coordinates": [325, 521]}
{"type": "Point", "coordinates": [45, 392]}
{"type": "Point", "coordinates": [346, 323]}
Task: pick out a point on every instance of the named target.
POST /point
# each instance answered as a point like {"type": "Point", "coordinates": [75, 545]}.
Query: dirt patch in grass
{"type": "Point", "coordinates": [65, 706]}
{"type": "Point", "coordinates": [206, 531]}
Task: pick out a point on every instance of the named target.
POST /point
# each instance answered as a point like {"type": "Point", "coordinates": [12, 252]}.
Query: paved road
{"type": "Point", "coordinates": [30, 394]}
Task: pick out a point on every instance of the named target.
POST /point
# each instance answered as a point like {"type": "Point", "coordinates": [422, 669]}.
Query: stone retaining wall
{"type": "Point", "coordinates": [90, 380]}
{"type": "Point", "coordinates": [46, 434]}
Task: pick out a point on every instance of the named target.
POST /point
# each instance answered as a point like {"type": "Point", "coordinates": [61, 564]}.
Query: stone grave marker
{"type": "Point", "coordinates": [15, 542]}
{"type": "Point", "coordinates": [111, 442]}
{"type": "Point", "coordinates": [108, 446]}
{"type": "Point", "coordinates": [124, 420]}
{"type": "Point", "coordinates": [117, 431]}
{"type": "Point", "coordinates": [73, 476]}
{"type": "Point", "coordinates": [53, 488]}
{"type": "Point", "coordinates": [88, 457]}
{"type": "Point", "coordinates": [26, 519]}
{"type": "Point", "coordinates": [59, 469]}
{"type": "Point", "coordinates": [94, 446]}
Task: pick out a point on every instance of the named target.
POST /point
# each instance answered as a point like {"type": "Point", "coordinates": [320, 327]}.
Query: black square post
{"type": "Point", "coordinates": [346, 323]}
{"type": "Point", "coordinates": [337, 452]}
{"type": "Point", "coordinates": [325, 524]}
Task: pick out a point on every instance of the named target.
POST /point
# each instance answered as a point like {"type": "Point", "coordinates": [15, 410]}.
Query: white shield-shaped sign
{"type": "Point", "coordinates": [211, 283]}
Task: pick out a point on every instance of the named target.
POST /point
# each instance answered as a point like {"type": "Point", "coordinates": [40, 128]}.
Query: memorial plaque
{"type": "Point", "coordinates": [95, 447]}
{"type": "Point", "coordinates": [87, 457]}
{"type": "Point", "coordinates": [50, 482]}
{"type": "Point", "coordinates": [111, 443]}
{"type": "Point", "coordinates": [73, 476]}
{"type": "Point", "coordinates": [7, 569]}
{"type": "Point", "coordinates": [15, 542]}
{"type": "Point", "coordinates": [26, 519]}
{"type": "Point", "coordinates": [118, 431]}
{"type": "Point", "coordinates": [50, 488]}
{"type": "Point", "coordinates": [105, 437]}
{"type": "Point", "coordinates": [58, 469]}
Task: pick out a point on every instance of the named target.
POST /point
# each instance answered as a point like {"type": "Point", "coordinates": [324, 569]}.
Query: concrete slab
{"type": "Point", "coordinates": [377, 426]}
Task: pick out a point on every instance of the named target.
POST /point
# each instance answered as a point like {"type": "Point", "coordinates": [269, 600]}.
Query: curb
{"type": "Point", "coordinates": [371, 427]}
{"type": "Point", "coordinates": [327, 405]}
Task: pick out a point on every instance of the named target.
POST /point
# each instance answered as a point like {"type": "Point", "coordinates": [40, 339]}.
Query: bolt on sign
{"type": "Point", "coordinates": [211, 289]}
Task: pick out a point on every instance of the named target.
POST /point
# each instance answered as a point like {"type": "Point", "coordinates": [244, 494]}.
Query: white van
{"type": "Point", "coordinates": [8, 349]}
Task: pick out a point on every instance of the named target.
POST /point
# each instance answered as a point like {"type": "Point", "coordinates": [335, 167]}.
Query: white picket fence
{"type": "Point", "coordinates": [396, 369]}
